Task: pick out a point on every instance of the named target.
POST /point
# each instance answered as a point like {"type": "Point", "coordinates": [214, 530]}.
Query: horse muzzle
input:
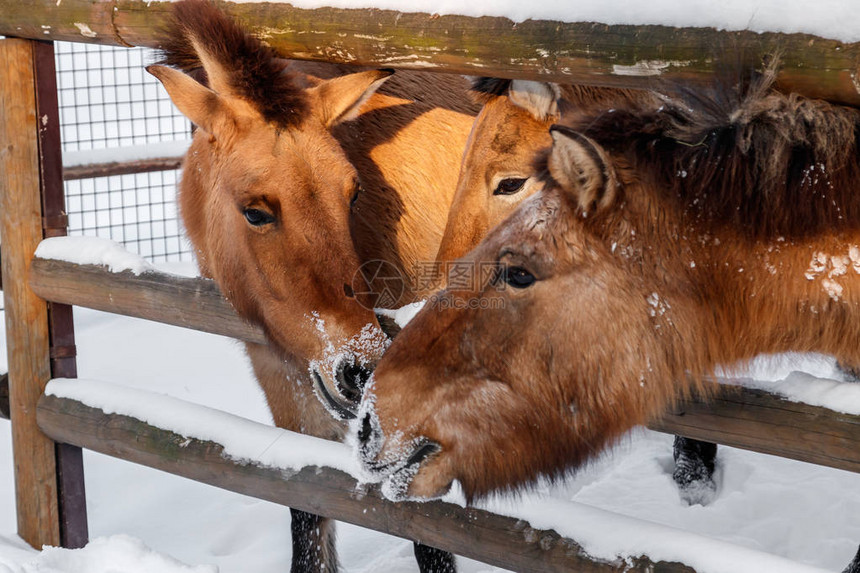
{"type": "Point", "coordinates": [395, 465]}
{"type": "Point", "coordinates": [340, 390]}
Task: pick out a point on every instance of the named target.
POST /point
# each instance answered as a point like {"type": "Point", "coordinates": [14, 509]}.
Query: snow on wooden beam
{"type": "Point", "coordinates": [501, 541]}
{"type": "Point", "coordinates": [576, 52]}
{"type": "Point", "coordinates": [736, 416]}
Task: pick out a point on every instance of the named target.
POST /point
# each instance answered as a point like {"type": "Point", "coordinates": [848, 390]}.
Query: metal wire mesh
{"type": "Point", "coordinates": [108, 101]}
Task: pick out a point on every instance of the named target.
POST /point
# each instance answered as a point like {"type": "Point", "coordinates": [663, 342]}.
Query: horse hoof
{"type": "Point", "coordinates": [696, 484]}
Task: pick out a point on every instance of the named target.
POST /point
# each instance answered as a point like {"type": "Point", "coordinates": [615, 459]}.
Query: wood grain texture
{"type": "Point", "coordinates": [27, 338]}
{"type": "Point", "coordinates": [121, 168]}
{"type": "Point", "coordinates": [763, 422]}
{"type": "Point", "coordinates": [572, 52]}
{"type": "Point", "coordinates": [501, 541]}
{"type": "Point", "coordinates": [188, 302]}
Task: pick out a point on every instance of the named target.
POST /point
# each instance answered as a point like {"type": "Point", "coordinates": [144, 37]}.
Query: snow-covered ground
{"type": "Point", "coordinates": [146, 520]}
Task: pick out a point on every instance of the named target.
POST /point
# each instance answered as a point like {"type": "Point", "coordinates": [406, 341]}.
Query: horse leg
{"type": "Point", "coordinates": [432, 560]}
{"type": "Point", "coordinates": [694, 470]}
{"type": "Point", "coordinates": [313, 543]}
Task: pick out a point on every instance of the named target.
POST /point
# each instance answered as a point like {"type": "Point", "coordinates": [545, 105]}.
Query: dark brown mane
{"type": "Point", "coordinates": [767, 163]}
{"type": "Point", "coordinates": [484, 89]}
{"type": "Point", "coordinates": [254, 70]}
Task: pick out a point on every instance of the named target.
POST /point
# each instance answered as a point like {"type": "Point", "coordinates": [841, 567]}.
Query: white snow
{"type": "Point", "coordinates": [836, 19]}
{"type": "Point", "coordinates": [243, 439]}
{"type": "Point", "coordinates": [92, 251]}
{"type": "Point", "coordinates": [606, 534]}
{"type": "Point", "coordinates": [126, 153]}
{"type": "Point", "coordinates": [404, 314]}
{"type": "Point", "coordinates": [114, 554]}
{"type": "Point", "coordinates": [769, 514]}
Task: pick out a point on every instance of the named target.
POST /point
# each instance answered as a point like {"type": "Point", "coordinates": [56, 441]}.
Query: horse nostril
{"type": "Point", "coordinates": [351, 380]}
{"type": "Point", "coordinates": [365, 430]}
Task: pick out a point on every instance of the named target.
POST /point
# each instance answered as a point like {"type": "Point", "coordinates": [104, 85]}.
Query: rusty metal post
{"type": "Point", "coordinates": [70, 469]}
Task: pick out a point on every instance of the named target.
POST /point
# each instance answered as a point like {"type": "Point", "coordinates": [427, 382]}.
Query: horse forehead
{"type": "Point", "coordinates": [532, 227]}
{"type": "Point", "coordinates": [308, 154]}
{"type": "Point", "coordinates": [510, 127]}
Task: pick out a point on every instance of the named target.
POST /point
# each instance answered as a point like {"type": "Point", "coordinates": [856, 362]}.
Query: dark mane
{"type": "Point", "coordinates": [745, 155]}
{"type": "Point", "coordinates": [484, 89]}
{"type": "Point", "coordinates": [254, 70]}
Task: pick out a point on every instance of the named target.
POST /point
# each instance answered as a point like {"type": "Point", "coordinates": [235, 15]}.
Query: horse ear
{"type": "Point", "coordinates": [202, 106]}
{"type": "Point", "coordinates": [538, 98]}
{"type": "Point", "coordinates": [341, 98]}
{"type": "Point", "coordinates": [582, 167]}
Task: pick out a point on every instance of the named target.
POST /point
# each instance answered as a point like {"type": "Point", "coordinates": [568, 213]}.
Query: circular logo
{"type": "Point", "coordinates": [378, 284]}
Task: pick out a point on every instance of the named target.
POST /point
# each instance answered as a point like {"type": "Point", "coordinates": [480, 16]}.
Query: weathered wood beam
{"type": "Point", "coordinates": [575, 52]}
{"type": "Point", "coordinates": [181, 301]}
{"type": "Point", "coordinates": [740, 417]}
{"type": "Point", "coordinates": [763, 422]}
{"type": "Point", "coordinates": [27, 336]}
{"type": "Point", "coordinates": [501, 541]}
{"type": "Point", "coordinates": [121, 168]}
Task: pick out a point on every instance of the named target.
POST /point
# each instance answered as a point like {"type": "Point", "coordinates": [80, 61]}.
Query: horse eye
{"type": "Point", "coordinates": [518, 277]}
{"type": "Point", "coordinates": [257, 217]}
{"type": "Point", "coordinates": [354, 197]}
{"type": "Point", "coordinates": [509, 186]}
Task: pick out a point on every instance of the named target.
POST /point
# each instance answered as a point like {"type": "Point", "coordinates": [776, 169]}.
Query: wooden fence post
{"type": "Point", "coordinates": [30, 164]}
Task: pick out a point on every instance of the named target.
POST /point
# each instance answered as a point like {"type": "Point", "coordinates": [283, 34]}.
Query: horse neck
{"type": "Point", "coordinates": [798, 295]}
{"type": "Point", "coordinates": [408, 156]}
{"type": "Point", "coordinates": [739, 297]}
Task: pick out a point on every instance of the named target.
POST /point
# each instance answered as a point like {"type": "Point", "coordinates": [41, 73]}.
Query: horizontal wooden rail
{"type": "Point", "coordinates": [120, 168]}
{"type": "Point", "coordinates": [770, 424]}
{"type": "Point", "coordinates": [739, 417]}
{"type": "Point", "coordinates": [474, 533]}
{"type": "Point", "coordinates": [575, 52]}
{"type": "Point", "coordinates": [181, 301]}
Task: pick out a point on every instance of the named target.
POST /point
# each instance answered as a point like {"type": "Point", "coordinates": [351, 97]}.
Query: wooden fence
{"type": "Point", "coordinates": [40, 337]}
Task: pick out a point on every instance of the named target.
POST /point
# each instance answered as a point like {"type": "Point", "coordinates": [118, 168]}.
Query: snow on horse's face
{"type": "Point", "coordinates": [668, 240]}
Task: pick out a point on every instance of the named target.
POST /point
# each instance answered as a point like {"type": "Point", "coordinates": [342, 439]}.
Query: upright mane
{"type": "Point", "coordinates": [744, 155]}
{"type": "Point", "coordinates": [253, 71]}
{"type": "Point", "coordinates": [484, 89]}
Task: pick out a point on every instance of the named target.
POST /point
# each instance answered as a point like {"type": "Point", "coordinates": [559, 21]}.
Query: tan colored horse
{"type": "Point", "coordinates": [293, 181]}
{"type": "Point", "coordinates": [667, 241]}
{"type": "Point", "coordinates": [498, 171]}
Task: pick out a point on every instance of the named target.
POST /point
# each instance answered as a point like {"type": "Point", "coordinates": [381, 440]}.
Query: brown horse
{"type": "Point", "coordinates": [666, 242]}
{"type": "Point", "coordinates": [498, 173]}
{"type": "Point", "coordinates": [292, 181]}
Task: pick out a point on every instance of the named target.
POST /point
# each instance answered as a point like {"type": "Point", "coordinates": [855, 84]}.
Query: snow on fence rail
{"type": "Point", "coordinates": [49, 485]}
